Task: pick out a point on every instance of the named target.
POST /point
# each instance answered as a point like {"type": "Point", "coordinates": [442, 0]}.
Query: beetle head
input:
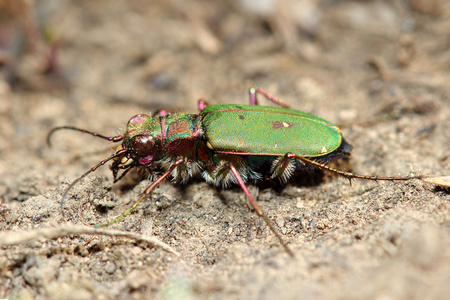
{"type": "Point", "coordinates": [141, 144]}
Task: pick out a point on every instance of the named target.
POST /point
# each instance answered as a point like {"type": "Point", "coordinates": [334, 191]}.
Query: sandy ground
{"type": "Point", "coordinates": [380, 70]}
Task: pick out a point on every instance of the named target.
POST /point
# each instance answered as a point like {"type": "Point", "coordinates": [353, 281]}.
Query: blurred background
{"type": "Point", "coordinates": [379, 69]}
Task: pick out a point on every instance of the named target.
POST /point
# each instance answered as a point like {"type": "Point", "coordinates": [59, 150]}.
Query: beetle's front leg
{"type": "Point", "coordinates": [202, 103]}
{"type": "Point", "coordinates": [160, 113]}
{"type": "Point", "coordinates": [147, 193]}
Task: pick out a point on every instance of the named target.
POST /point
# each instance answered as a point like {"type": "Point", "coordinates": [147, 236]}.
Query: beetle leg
{"type": "Point", "coordinates": [350, 175]}
{"type": "Point", "coordinates": [254, 101]}
{"type": "Point", "coordinates": [253, 98]}
{"type": "Point", "coordinates": [218, 172]}
{"type": "Point", "coordinates": [115, 173]}
{"type": "Point", "coordinates": [147, 193]}
{"type": "Point", "coordinates": [184, 171]}
{"type": "Point", "coordinates": [282, 167]}
{"type": "Point", "coordinates": [160, 113]}
{"type": "Point", "coordinates": [202, 103]}
{"type": "Point", "coordinates": [257, 208]}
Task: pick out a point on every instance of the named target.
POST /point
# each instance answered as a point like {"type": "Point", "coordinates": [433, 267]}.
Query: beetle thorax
{"type": "Point", "coordinates": [181, 135]}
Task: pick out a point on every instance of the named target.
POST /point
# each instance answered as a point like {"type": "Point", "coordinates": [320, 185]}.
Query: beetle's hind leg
{"type": "Point", "coordinates": [350, 175]}
{"type": "Point", "coordinates": [282, 167]}
{"type": "Point", "coordinates": [254, 101]}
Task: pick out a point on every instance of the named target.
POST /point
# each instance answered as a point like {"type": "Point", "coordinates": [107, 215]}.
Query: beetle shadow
{"type": "Point", "coordinates": [443, 190]}
{"type": "Point", "coordinates": [306, 177]}
{"type": "Point", "coordinates": [301, 178]}
{"type": "Point", "coordinates": [129, 181]}
{"type": "Point", "coordinates": [136, 175]}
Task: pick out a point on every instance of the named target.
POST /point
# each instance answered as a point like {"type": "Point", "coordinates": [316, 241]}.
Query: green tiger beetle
{"type": "Point", "coordinates": [227, 144]}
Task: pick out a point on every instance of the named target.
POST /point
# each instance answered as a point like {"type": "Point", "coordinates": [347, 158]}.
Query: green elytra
{"type": "Point", "coordinates": [227, 144]}
{"type": "Point", "coordinates": [268, 130]}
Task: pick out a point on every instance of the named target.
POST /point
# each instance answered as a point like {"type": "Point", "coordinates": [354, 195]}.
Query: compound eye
{"type": "Point", "coordinates": [142, 145]}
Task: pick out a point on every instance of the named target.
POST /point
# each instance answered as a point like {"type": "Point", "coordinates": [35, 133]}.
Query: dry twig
{"type": "Point", "coordinates": [12, 238]}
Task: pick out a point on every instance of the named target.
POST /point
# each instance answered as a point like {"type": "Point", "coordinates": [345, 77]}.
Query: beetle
{"type": "Point", "coordinates": [228, 144]}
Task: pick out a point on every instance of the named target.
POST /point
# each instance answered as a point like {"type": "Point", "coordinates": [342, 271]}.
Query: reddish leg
{"type": "Point", "coordinates": [202, 104]}
{"type": "Point", "coordinates": [254, 101]}
{"type": "Point", "coordinates": [147, 193]}
{"type": "Point", "coordinates": [350, 175]}
{"type": "Point", "coordinates": [160, 113]}
{"type": "Point", "coordinates": [258, 209]}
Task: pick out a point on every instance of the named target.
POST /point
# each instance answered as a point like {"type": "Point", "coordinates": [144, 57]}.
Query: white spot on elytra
{"type": "Point", "coordinates": [324, 149]}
